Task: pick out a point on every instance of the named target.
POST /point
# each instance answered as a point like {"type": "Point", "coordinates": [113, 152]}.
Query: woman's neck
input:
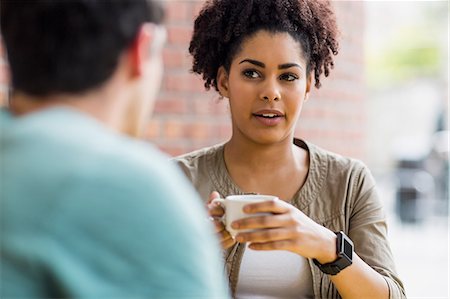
{"type": "Point", "coordinates": [279, 169]}
{"type": "Point", "coordinates": [260, 157]}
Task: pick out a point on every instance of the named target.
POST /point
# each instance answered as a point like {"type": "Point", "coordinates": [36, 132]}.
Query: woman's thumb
{"type": "Point", "coordinates": [213, 196]}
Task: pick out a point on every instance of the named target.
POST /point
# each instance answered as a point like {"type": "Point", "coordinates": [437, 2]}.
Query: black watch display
{"type": "Point", "coordinates": [344, 250]}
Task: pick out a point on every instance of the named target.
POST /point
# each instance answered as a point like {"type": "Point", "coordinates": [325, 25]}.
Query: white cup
{"type": "Point", "coordinates": [233, 206]}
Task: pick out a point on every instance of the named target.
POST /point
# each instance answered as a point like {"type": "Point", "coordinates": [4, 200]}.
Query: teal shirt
{"type": "Point", "coordinates": [89, 213]}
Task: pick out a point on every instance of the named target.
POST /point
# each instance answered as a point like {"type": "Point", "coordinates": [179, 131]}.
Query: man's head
{"type": "Point", "coordinates": [75, 47]}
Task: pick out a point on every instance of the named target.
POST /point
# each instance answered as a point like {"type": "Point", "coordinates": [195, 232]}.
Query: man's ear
{"type": "Point", "coordinates": [308, 86]}
{"type": "Point", "coordinates": [222, 82]}
{"type": "Point", "coordinates": [140, 49]}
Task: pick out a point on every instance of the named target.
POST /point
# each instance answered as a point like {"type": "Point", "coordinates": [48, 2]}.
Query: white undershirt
{"type": "Point", "coordinates": [274, 274]}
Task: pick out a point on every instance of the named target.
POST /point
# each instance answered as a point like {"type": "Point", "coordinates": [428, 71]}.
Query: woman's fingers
{"type": "Point", "coordinates": [264, 221]}
{"type": "Point", "coordinates": [218, 225]}
{"type": "Point", "coordinates": [225, 238]}
{"type": "Point", "coordinates": [227, 243]}
{"type": "Point", "coordinates": [266, 235]}
{"type": "Point", "coordinates": [215, 210]}
{"type": "Point", "coordinates": [271, 206]}
{"type": "Point", "coordinates": [223, 235]}
{"type": "Point", "coordinates": [275, 245]}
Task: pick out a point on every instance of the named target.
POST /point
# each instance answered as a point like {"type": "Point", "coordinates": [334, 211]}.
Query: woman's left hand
{"type": "Point", "coordinates": [287, 228]}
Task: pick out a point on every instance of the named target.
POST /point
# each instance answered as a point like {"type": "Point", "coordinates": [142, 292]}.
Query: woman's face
{"type": "Point", "coordinates": [266, 85]}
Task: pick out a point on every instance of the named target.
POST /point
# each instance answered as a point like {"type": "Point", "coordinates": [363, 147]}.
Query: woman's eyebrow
{"type": "Point", "coordinates": [289, 65]}
{"type": "Point", "coordinates": [261, 64]}
{"type": "Point", "coordinates": [255, 62]}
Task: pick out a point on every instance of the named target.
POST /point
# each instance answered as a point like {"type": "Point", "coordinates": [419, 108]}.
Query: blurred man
{"type": "Point", "coordinates": [86, 211]}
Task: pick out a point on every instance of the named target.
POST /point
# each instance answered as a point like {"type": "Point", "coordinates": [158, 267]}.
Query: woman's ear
{"type": "Point", "coordinates": [222, 81]}
{"type": "Point", "coordinates": [308, 86]}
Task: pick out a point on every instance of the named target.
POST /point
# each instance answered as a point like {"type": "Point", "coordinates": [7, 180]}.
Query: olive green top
{"type": "Point", "coordinates": [339, 193]}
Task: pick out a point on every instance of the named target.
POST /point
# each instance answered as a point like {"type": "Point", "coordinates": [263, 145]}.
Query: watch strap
{"type": "Point", "coordinates": [344, 250]}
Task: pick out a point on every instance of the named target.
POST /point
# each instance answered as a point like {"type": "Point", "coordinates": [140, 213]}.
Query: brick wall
{"type": "Point", "coordinates": [335, 116]}
{"type": "Point", "coordinates": [187, 117]}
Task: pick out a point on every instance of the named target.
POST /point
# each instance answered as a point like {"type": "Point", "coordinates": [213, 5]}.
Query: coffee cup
{"type": "Point", "coordinates": [233, 206]}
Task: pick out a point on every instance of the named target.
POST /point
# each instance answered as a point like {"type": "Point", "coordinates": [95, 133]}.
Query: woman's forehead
{"type": "Point", "coordinates": [271, 46]}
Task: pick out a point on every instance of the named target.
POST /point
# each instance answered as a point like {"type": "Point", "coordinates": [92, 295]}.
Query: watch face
{"type": "Point", "coordinates": [347, 248]}
{"type": "Point", "coordinates": [345, 255]}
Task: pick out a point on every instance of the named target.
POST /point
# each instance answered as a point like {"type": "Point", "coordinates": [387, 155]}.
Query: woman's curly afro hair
{"type": "Point", "coordinates": [222, 25]}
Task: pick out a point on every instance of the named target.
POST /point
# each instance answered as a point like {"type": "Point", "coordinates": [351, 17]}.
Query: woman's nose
{"type": "Point", "coordinates": [270, 92]}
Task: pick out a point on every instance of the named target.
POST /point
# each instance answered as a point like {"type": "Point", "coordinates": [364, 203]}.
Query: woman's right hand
{"type": "Point", "coordinates": [216, 212]}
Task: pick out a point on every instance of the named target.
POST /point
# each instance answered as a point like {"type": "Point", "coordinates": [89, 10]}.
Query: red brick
{"type": "Point", "coordinates": [173, 150]}
{"type": "Point", "coordinates": [176, 58]}
{"type": "Point", "coordinates": [177, 11]}
{"type": "Point", "coordinates": [183, 81]}
{"type": "Point", "coordinates": [152, 130]}
{"type": "Point", "coordinates": [171, 105]}
{"type": "Point", "coordinates": [176, 81]}
{"type": "Point", "coordinates": [205, 143]}
{"type": "Point", "coordinates": [196, 7]}
{"type": "Point", "coordinates": [173, 129]}
{"type": "Point", "coordinates": [179, 34]}
{"type": "Point", "coordinates": [198, 130]}
{"type": "Point", "coordinates": [196, 83]}
{"type": "Point", "coordinates": [202, 106]}
{"type": "Point", "coordinates": [224, 130]}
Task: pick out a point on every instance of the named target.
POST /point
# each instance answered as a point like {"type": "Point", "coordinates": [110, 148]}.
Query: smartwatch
{"type": "Point", "coordinates": [344, 250]}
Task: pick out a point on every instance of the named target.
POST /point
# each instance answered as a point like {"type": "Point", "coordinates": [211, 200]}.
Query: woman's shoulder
{"type": "Point", "coordinates": [200, 156]}
{"type": "Point", "coordinates": [332, 168]}
{"type": "Point", "coordinates": [331, 160]}
{"type": "Point", "coordinates": [199, 161]}
{"type": "Point", "coordinates": [342, 182]}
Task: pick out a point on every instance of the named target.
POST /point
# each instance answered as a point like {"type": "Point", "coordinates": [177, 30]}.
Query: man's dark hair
{"type": "Point", "coordinates": [56, 46]}
{"type": "Point", "coordinates": [223, 25]}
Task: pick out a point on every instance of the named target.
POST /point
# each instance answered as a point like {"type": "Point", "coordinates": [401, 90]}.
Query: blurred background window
{"type": "Point", "coordinates": [408, 139]}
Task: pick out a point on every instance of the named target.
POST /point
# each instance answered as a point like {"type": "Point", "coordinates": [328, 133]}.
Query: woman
{"type": "Point", "coordinates": [263, 57]}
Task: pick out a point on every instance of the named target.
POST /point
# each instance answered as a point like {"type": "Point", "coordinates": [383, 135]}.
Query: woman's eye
{"type": "Point", "coordinates": [251, 74]}
{"type": "Point", "coordinates": [288, 77]}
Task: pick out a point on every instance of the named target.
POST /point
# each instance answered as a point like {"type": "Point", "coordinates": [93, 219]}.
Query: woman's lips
{"type": "Point", "coordinates": [269, 117]}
